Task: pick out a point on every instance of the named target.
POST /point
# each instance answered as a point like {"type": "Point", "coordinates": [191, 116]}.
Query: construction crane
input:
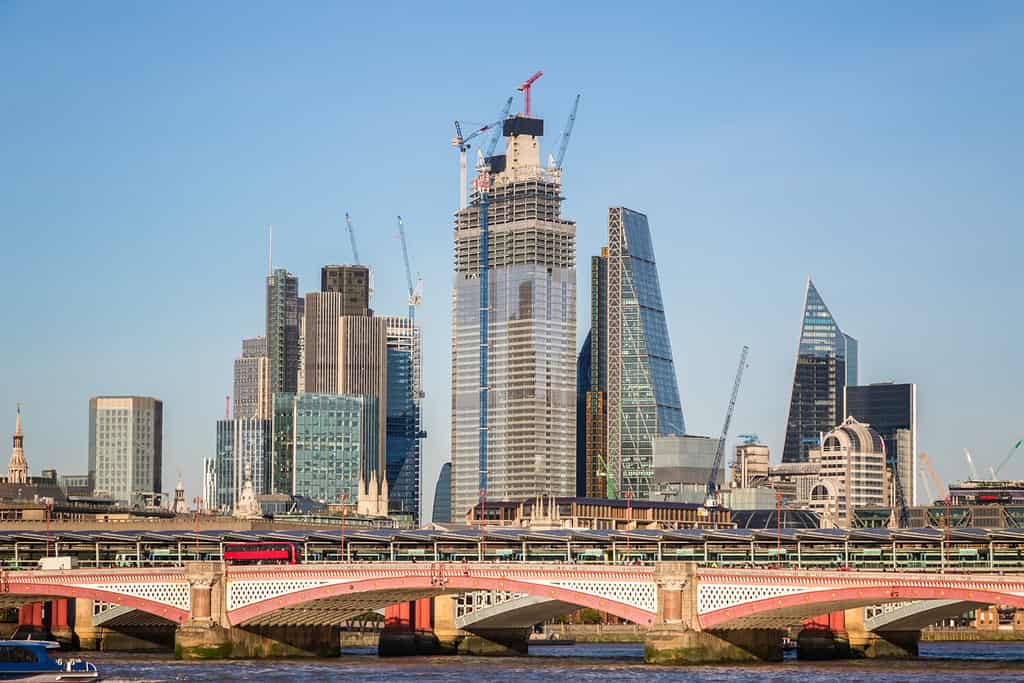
{"type": "Point", "coordinates": [970, 465]}
{"type": "Point", "coordinates": [462, 142]}
{"type": "Point", "coordinates": [525, 89]}
{"type": "Point", "coordinates": [415, 296]}
{"type": "Point", "coordinates": [927, 487]}
{"type": "Point", "coordinates": [352, 238]}
{"type": "Point", "coordinates": [999, 468]}
{"type": "Point", "coordinates": [939, 488]}
{"type": "Point", "coordinates": [712, 488]}
{"type": "Point", "coordinates": [564, 144]}
{"type": "Point", "coordinates": [496, 135]}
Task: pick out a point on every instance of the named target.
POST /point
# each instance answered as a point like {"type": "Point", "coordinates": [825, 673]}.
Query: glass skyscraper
{"type": "Point", "coordinates": [642, 392]}
{"type": "Point", "coordinates": [224, 467]}
{"type": "Point", "coordinates": [826, 363]}
{"type": "Point", "coordinates": [282, 336]}
{"type": "Point", "coordinates": [404, 421]}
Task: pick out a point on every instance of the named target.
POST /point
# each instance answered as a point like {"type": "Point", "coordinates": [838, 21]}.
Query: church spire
{"type": "Point", "coordinates": [17, 469]}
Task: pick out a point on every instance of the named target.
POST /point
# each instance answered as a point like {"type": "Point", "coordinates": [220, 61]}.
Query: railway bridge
{"type": "Point", "coordinates": [692, 613]}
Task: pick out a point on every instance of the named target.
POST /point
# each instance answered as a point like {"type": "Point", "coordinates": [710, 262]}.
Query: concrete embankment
{"type": "Point", "coordinates": [934, 635]}
{"type": "Point", "coordinates": [598, 633]}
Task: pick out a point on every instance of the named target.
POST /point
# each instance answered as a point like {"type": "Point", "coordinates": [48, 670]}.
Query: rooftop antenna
{"type": "Point", "coordinates": [227, 407]}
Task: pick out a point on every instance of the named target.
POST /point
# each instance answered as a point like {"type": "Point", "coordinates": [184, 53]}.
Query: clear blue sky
{"type": "Point", "coordinates": [144, 148]}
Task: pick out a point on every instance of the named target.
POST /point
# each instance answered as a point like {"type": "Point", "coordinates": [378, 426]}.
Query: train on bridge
{"type": "Point", "coordinates": [929, 550]}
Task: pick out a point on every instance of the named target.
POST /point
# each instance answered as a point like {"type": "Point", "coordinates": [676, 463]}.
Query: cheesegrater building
{"type": "Point", "coordinates": [529, 353]}
{"type": "Point", "coordinates": [826, 364]}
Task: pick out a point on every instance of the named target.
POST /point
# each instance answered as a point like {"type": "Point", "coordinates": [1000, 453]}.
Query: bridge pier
{"type": "Point", "coordinates": [677, 638]}
{"type": "Point", "coordinates": [842, 635]}
{"type": "Point", "coordinates": [208, 635]}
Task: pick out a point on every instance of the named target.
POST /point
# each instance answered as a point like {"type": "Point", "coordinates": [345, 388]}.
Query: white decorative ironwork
{"type": "Point", "coordinates": [716, 596]}
{"type": "Point", "coordinates": [633, 593]}
{"type": "Point", "coordinates": [172, 594]}
{"type": "Point", "coordinates": [243, 593]}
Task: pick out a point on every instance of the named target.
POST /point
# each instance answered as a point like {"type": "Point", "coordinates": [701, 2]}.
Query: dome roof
{"type": "Point", "coordinates": [855, 436]}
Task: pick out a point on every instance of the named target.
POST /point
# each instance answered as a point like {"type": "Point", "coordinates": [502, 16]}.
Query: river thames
{"type": "Point", "coordinates": [992, 662]}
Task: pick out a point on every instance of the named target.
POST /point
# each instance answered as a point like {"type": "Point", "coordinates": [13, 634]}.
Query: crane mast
{"type": "Point", "coordinates": [712, 488]}
{"type": "Point", "coordinates": [567, 133]}
{"type": "Point", "coordinates": [352, 238]}
{"type": "Point", "coordinates": [414, 296]}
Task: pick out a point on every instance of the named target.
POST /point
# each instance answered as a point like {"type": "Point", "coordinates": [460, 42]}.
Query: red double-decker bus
{"type": "Point", "coordinates": [261, 552]}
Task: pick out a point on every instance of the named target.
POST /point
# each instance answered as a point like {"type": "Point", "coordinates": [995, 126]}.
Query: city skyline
{"type": "Point", "coordinates": [761, 174]}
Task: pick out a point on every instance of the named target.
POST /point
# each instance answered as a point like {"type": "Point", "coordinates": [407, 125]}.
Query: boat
{"type": "Point", "coordinates": [29, 660]}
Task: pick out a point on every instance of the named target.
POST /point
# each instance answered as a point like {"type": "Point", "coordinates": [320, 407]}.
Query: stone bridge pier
{"type": "Point", "coordinates": [207, 633]}
{"type": "Point", "coordinates": [676, 638]}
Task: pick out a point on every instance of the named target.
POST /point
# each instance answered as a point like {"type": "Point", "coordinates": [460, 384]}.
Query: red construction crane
{"type": "Point", "coordinates": [525, 89]}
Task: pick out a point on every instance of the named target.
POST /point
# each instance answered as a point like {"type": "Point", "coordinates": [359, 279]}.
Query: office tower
{"type": "Point", "coordinates": [224, 467]}
{"type": "Point", "coordinates": [126, 447]}
{"type": "Point", "coordinates": [404, 415]}
{"type": "Point", "coordinates": [353, 283]}
{"type": "Point", "coordinates": [442, 513]}
{"type": "Point", "coordinates": [362, 371]}
{"type": "Point", "coordinates": [891, 409]}
{"type": "Point", "coordinates": [346, 293]}
{"type": "Point", "coordinates": [252, 380]}
{"type": "Point", "coordinates": [592, 381]}
{"type": "Point", "coordinates": [283, 331]}
{"type": "Point", "coordinates": [319, 442]}
{"type": "Point", "coordinates": [300, 380]}
{"type": "Point", "coordinates": [530, 354]}
{"type": "Point", "coordinates": [17, 467]}
{"type": "Point", "coordinates": [641, 395]}
{"type": "Point", "coordinates": [851, 474]}
{"type": "Point", "coordinates": [826, 363]}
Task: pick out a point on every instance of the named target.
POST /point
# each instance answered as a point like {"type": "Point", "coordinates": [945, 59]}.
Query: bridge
{"type": "Point", "coordinates": [692, 613]}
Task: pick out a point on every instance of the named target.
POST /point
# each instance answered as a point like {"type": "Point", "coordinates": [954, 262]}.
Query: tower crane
{"type": "Point", "coordinates": [712, 488]}
{"type": "Point", "coordinates": [970, 465]}
{"type": "Point", "coordinates": [462, 142]}
{"type": "Point", "coordinates": [352, 238]}
{"type": "Point", "coordinates": [939, 488]}
{"type": "Point", "coordinates": [564, 144]}
{"type": "Point", "coordinates": [525, 89]}
{"type": "Point", "coordinates": [999, 468]}
{"type": "Point", "coordinates": [415, 296]}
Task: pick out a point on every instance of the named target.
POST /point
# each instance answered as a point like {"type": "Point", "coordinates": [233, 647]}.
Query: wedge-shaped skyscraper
{"type": "Point", "coordinates": [826, 363]}
{"type": "Point", "coordinates": [633, 396]}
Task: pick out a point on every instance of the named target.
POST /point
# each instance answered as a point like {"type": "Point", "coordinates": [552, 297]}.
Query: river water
{"type": "Point", "coordinates": [990, 662]}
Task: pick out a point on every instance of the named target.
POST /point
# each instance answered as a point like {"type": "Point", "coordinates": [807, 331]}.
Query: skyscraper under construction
{"type": "Point", "coordinates": [530, 252]}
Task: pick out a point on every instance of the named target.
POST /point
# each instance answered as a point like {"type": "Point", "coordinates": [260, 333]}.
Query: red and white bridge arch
{"type": "Point", "coordinates": [312, 594]}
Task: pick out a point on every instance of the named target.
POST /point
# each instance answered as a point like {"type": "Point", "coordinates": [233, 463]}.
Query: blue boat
{"type": "Point", "coordinates": [29, 660]}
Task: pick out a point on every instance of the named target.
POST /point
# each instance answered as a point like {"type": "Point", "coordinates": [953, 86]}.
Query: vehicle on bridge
{"type": "Point", "coordinates": [264, 552]}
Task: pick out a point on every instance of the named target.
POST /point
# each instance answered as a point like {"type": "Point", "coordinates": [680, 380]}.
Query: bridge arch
{"type": "Point", "coordinates": [44, 591]}
{"type": "Point", "coordinates": [773, 612]}
{"type": "Point", "coordinates": [415, 586]}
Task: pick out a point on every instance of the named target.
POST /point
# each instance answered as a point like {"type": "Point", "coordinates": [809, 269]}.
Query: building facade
{"type": "Point", "coordinates": [331, 433]}
{"type": "Point", "coordinates": [283, 331]}
{"type": "Point", "coordinates": [252, 380]}
{"type": "Point", "coordinates": [750, 465]}
{"type": "Point", "coordinates": [592, 390]}
{"type": "Point", "coordinates": [642, 392]}
{"type": "Point", "coordinates": [826, 363]}
{"type": "Point", "coordinates": [126, 447]}
{"type": "Point", "coordinates": [851, 473]}
{"type": "Point", "coordinates": [251, 456]}
{"type": "Point", "coordinates": [353, 283]}
{"type": "Point", "coordinates": [404, 427]}
{"type": "Point", "coordinates": [363, 371]}
{"type": "Point", "coordinates": [682, 468]}
{"type": "Point", "coordinates": [224, 467]}
{"type": "Point", "coordinates": [891, 410]}
{"type": "Point", "coordinates": [529, 355]}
